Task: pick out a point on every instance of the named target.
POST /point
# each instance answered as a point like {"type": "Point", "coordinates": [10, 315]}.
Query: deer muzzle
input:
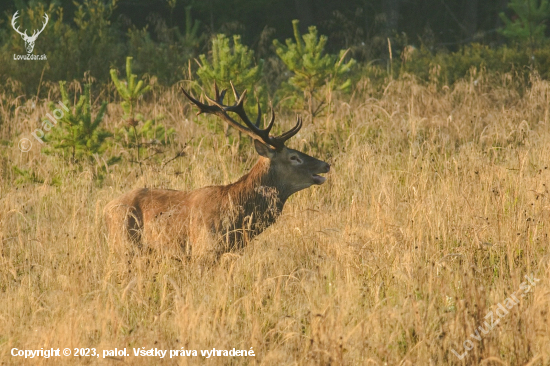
{"type": "Point", "coordinates": [318, 179]}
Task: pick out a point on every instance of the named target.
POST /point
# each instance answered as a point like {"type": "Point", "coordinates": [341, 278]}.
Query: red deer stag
{"type": "Point", "coordinates": [213, 220]}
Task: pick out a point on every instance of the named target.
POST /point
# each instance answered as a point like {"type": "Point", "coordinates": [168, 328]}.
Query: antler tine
{"type": "Point", "coordinates": [36, 32]}
{"type": "Point", "coordinates": [219, 96]}
{"type": "Point", "coordinates": [13, 19]}
{"type": "Point", "coordinates": [272, 120]}
{"type": "Point", "coordinates": [219, 110]}
{"type": "Point", "coordinates": [235, 93]}
{"type": "Point", "coordinates": [259, 118]}
{"type": "Point", "coordinates": [15, 16]}
{"type": "Point", "coordinates": [238, 108]}
{"type": "Point", "coordinates": [218, 102]}
{"type": "Point", "coordinates": [222, 95]}
{"type": "Point", "coordinates": [251, 129]}
{"type": "Point", "coordinates": [203, 108]}
{"type": "Point", "coordinates": [276, 142]}
{"type": "Point", "coordinates": [293, 131]}
{"type": "Point", "coordinates": [45, 23]}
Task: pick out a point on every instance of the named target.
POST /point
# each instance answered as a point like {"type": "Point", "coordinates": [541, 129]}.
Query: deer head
{"type": "Point", "coordinates": [29, 40]}
{"type": "Point", "coordinates": [292, 169]}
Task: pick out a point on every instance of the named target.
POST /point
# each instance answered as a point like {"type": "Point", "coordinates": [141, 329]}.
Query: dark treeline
{"type": "Point", "coordinates": [348, 23]}
{"type": "Point", "coordinates": [164, 36]}
{"type": "Point", "coordinates": [447, 23]}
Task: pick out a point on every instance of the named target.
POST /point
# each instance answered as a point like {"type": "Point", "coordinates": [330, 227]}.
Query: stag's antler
{"type": "Point", "coordinates": [251, 129]}
{"type": "Point", "coordinates": [13, 24]}
{"type": "Point", "coordinates": [24, 34]}
{"type": "Point", "coordinates": [36, 32]}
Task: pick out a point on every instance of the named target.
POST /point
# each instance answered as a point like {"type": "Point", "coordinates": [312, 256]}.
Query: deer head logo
{"type": "Point", "coordinates": [29, 40]}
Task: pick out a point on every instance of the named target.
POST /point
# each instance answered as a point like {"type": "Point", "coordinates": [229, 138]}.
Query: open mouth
{"type": "Point", "coordinates": [317, 179]}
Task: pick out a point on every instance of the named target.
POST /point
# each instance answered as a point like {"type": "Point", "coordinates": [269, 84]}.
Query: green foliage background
{"type": "Point", "coordinates": [175, 45]}
{"type": "Point", "coordinates": [85, 39]}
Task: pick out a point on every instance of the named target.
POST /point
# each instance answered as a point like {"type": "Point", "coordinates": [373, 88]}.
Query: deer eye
{"type": "Point", "coordinates": [296, 159]}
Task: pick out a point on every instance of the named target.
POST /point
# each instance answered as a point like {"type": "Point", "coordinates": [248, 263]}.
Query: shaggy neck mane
{"type": "Point", "coordinates": [258, 190]}
{"type": "Point", "coordinates": [253, 202]}
{"type": "Point", "coordinates": [258, 182]}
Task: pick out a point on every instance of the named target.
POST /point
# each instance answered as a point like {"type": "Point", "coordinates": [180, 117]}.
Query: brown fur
{"type": "Point", "coordinates": [212, 220]}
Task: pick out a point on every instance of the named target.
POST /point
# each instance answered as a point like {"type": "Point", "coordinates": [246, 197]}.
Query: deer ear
{"type": "Point", "coordinates": [264, 150]}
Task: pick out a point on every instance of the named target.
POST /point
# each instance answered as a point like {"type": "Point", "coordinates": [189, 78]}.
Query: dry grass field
{"type": "Point", "coordinates": [436, 207]}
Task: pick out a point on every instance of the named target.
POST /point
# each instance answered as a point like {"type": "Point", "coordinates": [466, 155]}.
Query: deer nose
{"type": "Point", "coordinates": [327, 167]}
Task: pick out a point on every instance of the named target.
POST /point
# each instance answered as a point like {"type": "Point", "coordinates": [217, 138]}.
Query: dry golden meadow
{"type": "Point", "coordinates": [436, 207]}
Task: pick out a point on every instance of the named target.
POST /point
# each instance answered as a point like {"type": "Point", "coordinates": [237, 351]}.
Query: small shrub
{"type": "Point", "coordinates": [78, 133]}
{"type": "Point", "coordinates": [528, 23]}
{"type": "Point", "coordinates": [312, 68]}
{"type": "Point", "coordinates": [129, 91]}
{"type": "Point", "coordinates": [232, 62]}
{"type": "Point", "coordinates": [146, 134]}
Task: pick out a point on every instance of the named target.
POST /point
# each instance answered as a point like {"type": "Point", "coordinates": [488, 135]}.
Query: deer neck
{"type": "Point", "coordinates": [252, 203]}
{"type": "Point", "coordinates": [259, 188]}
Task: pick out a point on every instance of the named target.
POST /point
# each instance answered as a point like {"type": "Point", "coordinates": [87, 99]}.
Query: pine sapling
{"type": "Point", "coordinates": [78, 133]}
{"type": "Point", "coordinates": [231, 61]}
{"type": "Point", "coordinates": [312, 68]}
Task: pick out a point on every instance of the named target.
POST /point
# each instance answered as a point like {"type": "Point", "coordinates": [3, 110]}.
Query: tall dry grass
{"type": "Point", "coordinates": [436, 208]}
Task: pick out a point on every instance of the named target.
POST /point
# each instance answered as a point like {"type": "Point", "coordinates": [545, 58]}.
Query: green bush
{"type": "Point", "coordinates": [232, 62]}
{"type": "Point", "coordinates": [78, 134]}
{"type": "Point", "coordinates": [145, 133]}
{"type": "Point", "coordinates": [528, 25]}
{"type": "Point", "coordinates": [129, 91]}
{"type": "Point", "coordinates": [312, 68]}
